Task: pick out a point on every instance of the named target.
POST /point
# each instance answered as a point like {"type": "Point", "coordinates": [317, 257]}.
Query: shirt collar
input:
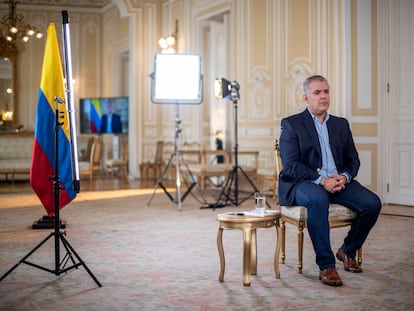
{"type": "Point", "coordinates": [316, 119]}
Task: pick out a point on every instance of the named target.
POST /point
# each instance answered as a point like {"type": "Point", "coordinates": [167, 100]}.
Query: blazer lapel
{"type": "Point", "coordinates": [310, 128]}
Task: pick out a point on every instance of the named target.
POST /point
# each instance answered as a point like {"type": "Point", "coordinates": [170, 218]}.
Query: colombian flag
{"type": "Point", "coordinates": [95, 116]}
{"type": "Point", "coordinates": [43, 156]}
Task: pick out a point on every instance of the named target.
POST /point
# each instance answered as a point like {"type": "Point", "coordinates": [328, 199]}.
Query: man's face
{"type": "Point", "coordinates": [317, 98]}
{"type": "Point", "coordinates": [109, 108]}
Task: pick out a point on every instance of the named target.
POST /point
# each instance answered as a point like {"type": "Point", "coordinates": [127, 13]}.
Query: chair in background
{"type": "Point", "coordinates": [339, 216]}
{"type": "Point", "coordinates": [268, 174]}
{"type": "Point", "coordinates": [191, 153]}
{"type": "Point", "coordinates": [156, 166]}
{"type": "Point", "coordinates": [121, 164]}
{"type": "Point", "coordinates": [94, 164]}
{"type": "Point", "coordinates": [209, 168]}
{"type": "Point", "coordinates": [85, 153]}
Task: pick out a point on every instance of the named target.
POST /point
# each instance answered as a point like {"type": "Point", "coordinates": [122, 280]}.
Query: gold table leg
{"type": "Point", "coordinates": [247, 255]}
{"type": "Point", "coordinates": [253, 252]}
{"type": "Point", "coordinates": [221, 253]}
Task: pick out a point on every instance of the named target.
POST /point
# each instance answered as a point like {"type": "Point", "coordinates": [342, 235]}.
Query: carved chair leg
{"type": "Point", "coordinates": [301, 226]}
{"type": "Point", "coordinates": [203, 183]}
{"type": "Point", "coordinates": [283, 226]}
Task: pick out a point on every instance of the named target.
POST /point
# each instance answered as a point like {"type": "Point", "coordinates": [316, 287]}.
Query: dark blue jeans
{"type": "Point", "coordinates": [356, 197]}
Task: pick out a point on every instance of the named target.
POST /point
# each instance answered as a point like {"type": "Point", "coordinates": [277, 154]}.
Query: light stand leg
{"type": "Point", "coordinates": [233, 175]}
{"type": "Point", "coordinates": [177, 157]}
{"type": "Point", "coordinates": [159, 184]}
{"type": "Point", "coordinates": [227, 189]}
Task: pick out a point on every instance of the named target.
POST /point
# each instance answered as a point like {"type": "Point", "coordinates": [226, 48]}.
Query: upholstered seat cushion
{"type": "Point", "coordinates": [15, 164]}
{"type": "Point", "coordinates": [115, 162]}
{"type": "Point", "coordinates": [336, 212]}
{"type": "Point", "coordinates": [83, 165]}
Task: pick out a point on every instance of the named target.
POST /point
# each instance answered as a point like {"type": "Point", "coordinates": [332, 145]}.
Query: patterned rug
{"type": "Point", "coordinates": [158, 258]}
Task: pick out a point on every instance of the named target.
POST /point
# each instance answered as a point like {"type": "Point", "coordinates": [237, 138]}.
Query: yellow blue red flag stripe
{"type": "Point", "coordinates": [95, 116]}
{"type": "Point", "coordinates": [43, 156]}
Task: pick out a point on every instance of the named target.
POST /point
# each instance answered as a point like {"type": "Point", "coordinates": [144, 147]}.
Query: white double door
{"type": "Point", "coordinates": [397, 124]}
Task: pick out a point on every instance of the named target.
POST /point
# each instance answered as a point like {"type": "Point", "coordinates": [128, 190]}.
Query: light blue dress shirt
{"type": "Point", "coordinates": [328, 164]}
{"type": "Point", "coordinates": [109, 128]}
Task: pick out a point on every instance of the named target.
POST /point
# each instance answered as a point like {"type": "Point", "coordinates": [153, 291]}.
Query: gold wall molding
{"type": "Point", "coordinates": [364, 129]}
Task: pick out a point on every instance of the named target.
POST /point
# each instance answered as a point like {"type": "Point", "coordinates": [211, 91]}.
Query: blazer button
{"type": "Point", "coordinates": [318, 170]}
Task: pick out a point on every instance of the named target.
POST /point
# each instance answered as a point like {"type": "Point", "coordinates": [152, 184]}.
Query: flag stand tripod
{"type": "Point", "coordinates": [61, 266]}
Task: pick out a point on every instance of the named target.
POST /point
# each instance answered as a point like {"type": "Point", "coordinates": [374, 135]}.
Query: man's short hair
{"type": "Point", "coordinates": [305, 85]}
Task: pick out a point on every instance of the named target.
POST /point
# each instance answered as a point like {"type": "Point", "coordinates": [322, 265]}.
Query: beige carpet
{"type": "Point", "coordinates": [158, 258]}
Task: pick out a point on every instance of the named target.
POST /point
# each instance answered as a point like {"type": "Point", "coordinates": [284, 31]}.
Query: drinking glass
{"type": "Point", "coordinates": [260, 203]}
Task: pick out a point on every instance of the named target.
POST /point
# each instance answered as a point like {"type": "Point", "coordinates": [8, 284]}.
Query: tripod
{"type": "Point", "coordinates": [175, 158]}
{"type": "Point", "coordinates": [68, 262]}
{"type": "Point", "coordinates": [233, 176]}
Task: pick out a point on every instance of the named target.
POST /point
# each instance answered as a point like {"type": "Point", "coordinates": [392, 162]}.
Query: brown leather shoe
{"type": "Point", "coordinates": [330, 277]}
{"type": "Point", "coordinates": [350, 264]}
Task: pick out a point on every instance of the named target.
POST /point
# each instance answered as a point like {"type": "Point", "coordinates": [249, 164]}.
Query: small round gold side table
{"type": "Point", "coordinates": [248, 224]}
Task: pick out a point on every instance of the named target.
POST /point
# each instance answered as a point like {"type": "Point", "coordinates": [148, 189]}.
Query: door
{"type": "Point", "coordinates": [399, 101]}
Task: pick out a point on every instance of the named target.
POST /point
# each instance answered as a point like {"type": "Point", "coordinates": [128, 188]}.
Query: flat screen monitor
{"type": "Point", "coordinates": [177, 79]}
{"type": "Point", "coordinates": [101, 115]}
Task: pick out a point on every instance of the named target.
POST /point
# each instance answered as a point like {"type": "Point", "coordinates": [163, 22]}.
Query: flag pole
{"type": "Point", "coordinates": [73, 143]}
{"type": "Point", "coordinates": [56, 184]}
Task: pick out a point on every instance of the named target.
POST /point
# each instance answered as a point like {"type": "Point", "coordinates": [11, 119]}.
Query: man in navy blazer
{"type": "Point", "coordinates": [111, 122]}
{"type": "Point", "coordinates": [320, 162]}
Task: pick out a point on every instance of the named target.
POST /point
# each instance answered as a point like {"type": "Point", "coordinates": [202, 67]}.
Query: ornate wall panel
{"type": "Point", "coordinates": [364, 58]}
{"type": "Point", "coordinates": [90, 47]}
{"type": "Point", "coordinates": [369, 162]}
{"type": "Point", "coordinates": [311, 46]}
{"type": "Point", "coordinates": [363, 85]}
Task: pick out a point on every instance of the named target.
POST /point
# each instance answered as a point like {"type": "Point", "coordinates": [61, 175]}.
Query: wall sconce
{"type": "Point", "coordinates": [7, 115]}
{"type": "Point", "coordinates": [168, 44]}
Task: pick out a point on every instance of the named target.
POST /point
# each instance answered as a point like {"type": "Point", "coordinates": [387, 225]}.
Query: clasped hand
{"type": "Point", "coordinates": [335, 183]}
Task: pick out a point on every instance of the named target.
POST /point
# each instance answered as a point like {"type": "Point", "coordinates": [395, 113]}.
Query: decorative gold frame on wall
{"type": "Point", "coordinates": [8, 50]}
